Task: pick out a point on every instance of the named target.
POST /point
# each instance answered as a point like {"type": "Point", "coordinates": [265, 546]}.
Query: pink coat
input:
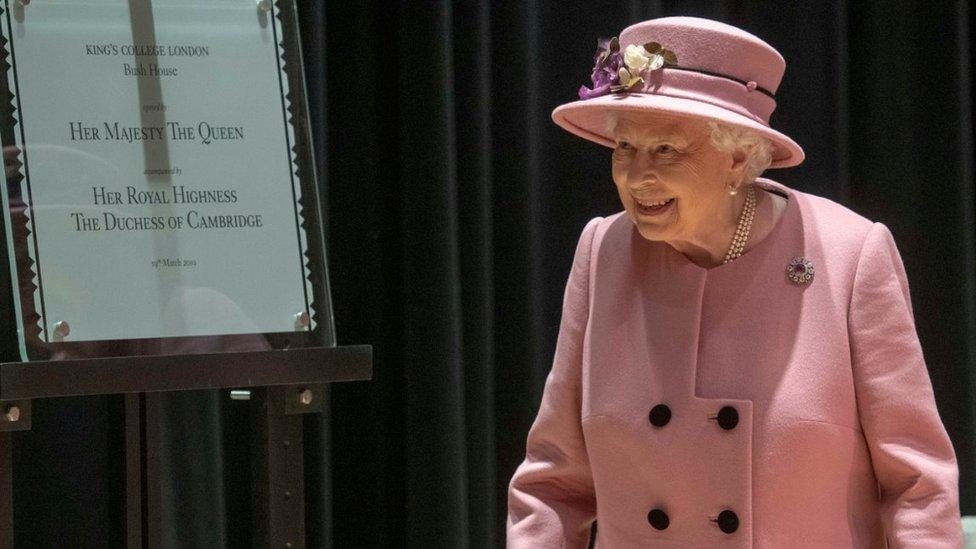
{"type": "Point", "coordinates": [784, 415]}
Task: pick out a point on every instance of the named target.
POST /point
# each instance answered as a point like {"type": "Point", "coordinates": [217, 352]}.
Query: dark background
{"type": "Point", "coordinates": [453, 205]}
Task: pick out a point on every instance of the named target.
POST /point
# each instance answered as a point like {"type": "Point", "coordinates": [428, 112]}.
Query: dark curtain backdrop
{"type": "Point", "coordinates": [453, 205]}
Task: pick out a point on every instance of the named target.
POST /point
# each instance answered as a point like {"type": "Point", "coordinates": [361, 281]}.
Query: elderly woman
{"type": "Point", "coordinates": [737, 364]}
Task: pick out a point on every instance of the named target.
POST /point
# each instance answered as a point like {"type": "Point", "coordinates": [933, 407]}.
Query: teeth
{"type": "Point", "coordinates": [649, 204]}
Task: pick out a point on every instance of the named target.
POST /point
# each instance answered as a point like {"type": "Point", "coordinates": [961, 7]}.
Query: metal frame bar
{"type": "Point", "coordinates": [133, 471]}
{"type": "Point", "coordinates": [278, 493]}
{"type": "Point", "coordinates": [147, 374]}
{"type": "Point", "coordinates": [6, 491]}
{"type": "Point", "coordinates": [287, 384]}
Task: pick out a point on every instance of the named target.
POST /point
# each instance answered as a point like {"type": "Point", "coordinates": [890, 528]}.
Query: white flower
{"type": "Point", "coordinates": [637, 58]}
{"type": "Point", "coordinates": [627, 79]}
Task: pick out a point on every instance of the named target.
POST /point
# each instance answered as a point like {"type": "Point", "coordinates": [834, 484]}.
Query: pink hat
{"type": "Point", "coordinates": [684, 66]}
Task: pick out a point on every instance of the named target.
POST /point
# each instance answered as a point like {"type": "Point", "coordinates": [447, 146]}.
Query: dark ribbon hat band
{"type": "Point", "coordinates": [750, 84]}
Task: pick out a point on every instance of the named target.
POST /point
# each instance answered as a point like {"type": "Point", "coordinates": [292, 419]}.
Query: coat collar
{"type": "Point", "coordinates": [750, 260]}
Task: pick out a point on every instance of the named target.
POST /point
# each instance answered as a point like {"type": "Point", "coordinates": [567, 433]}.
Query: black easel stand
{"type": "Point", "coordinates": [285, 384]}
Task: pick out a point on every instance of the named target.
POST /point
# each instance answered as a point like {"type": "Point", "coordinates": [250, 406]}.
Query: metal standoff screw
{"type": "Point", "coordinates": [264, 5]}
{"type": "Point", "coordinates": [240, 394]}
{"type": "Point", "coordinates": [62, 329]}
{"type": "Point", "coordinates": [305, 397]}
{"type": "Point", "coordinates": [12, 414]}
{"type": "Point", "coordinates": [301, 320]}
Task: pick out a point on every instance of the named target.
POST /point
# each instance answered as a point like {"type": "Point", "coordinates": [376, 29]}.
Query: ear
{"type": "Point", "coordinates": [739, 158]}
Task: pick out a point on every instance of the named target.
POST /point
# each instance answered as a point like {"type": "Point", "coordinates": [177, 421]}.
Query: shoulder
{"type": "Point", "coordinates": [826, 213]}
{"type": "Point", "coordinates": [826, 223]}
{"type": "Point", "coordinates": [848, 239]}
{"type": "Point", "coordinates": [599, 225]}
{"type": "Point", "coordinates": [596, 232]}
{"type": "Point", "coordinates": [584, 248]}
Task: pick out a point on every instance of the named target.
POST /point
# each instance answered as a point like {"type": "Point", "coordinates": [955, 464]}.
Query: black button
{"type": "Point", "coordinates": [660, 415]}
{"type": "Point", "coordinates": [728, 522]}
{"type": "Point", "coordinates": [728, 418]}
{"type": "Point", "coordinates": [658, 519]}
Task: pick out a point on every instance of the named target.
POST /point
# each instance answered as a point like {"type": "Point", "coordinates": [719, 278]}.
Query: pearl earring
{"type": "Point", "coordinates": [732, 189]}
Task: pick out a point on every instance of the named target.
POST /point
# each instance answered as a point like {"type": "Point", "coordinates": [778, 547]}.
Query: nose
{"type": "Point", "coordinates": [641, 171]}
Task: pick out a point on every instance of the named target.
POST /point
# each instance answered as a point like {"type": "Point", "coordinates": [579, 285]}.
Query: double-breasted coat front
{"type": "Point", "coordinates": [732, 407]}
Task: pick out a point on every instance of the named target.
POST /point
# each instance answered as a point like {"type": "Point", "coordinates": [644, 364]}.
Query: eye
{"type": "Point", "coordinates": [665, 149]}
{"type": "Point", "coordinates": [624, 145]}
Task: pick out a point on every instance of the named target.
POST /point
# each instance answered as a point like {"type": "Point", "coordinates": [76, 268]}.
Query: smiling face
{"type": "Point", "coordinates": [660, 158]}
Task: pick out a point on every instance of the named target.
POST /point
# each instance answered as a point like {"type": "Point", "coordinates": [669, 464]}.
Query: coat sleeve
{"type": "Point", "coordinates": [551, 503]}
{"type": "Point", "coordinates": [913, 457]}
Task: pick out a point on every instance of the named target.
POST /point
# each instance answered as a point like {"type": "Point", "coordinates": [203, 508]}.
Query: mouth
{"type": "Point", "coordinates": [653, 207]}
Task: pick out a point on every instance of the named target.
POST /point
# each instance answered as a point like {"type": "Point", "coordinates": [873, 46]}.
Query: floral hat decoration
{"type": "Point", "coordinates": [622, 72]}
{"type": "Point", "coordinates": [725, 74]}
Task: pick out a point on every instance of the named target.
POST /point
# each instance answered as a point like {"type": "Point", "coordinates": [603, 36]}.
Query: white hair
{"type": "Point", "coordinates": [758, 149]}
{"type": "Point", "coordinates": [729, 138]}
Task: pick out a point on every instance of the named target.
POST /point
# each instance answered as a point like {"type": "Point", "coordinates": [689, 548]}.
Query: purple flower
{"type": "Point", "coordinates": [607, 63]}
{"type": "Point", "coordinates": [614, 71]}
{"type": "Point", "coordinates": [613, 62]}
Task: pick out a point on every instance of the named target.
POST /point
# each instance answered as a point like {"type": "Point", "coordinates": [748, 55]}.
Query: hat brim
{"type": "Point", "coordinates": [588, 119]}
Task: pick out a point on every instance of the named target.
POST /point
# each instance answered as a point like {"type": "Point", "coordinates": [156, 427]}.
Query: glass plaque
{"type": "Point", "coordinates": [159, 191]}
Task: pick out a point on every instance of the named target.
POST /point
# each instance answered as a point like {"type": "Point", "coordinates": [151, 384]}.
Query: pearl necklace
{"type": "Point", "coordinates": [742, 229]}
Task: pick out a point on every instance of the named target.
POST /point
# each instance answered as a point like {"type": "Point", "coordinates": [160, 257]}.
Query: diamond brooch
{"type": "Point", "coordinates": [800, 270]}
